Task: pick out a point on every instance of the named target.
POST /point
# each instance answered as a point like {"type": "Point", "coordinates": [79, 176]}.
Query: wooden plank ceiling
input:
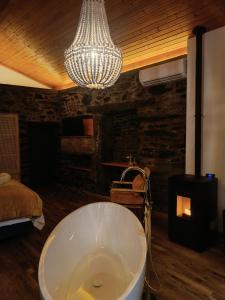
{"type": "Point", "coordinates": [34, 33]}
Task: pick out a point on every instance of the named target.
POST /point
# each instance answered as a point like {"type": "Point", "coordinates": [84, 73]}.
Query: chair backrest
{"type": "Point", "coordinates": [147, 172]}
{"type": "Point", "coordinates": [138, 182]}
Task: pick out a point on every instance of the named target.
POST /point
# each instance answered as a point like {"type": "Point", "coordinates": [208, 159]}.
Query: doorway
{"type": "Point", "coordinates": [43, 141]}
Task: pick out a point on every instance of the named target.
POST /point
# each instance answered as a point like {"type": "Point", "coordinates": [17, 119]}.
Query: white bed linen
{"type": "Point", "coordinates": [38, 222]}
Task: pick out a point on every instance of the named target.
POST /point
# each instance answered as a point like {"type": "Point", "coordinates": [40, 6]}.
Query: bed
{"type": "Point", "coordinates": [20, 209]}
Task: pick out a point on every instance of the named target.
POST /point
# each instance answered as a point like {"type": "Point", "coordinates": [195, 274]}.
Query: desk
{"type": "Point", "coordinates": [116, 164]}
{"type": "Point", "coordinates": [111, 170]}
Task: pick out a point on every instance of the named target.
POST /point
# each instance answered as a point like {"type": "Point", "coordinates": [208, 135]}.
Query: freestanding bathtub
{"type": "Point", "coordinates": [97, 252]}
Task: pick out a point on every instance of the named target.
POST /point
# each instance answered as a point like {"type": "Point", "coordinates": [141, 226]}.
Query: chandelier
{"type": "Point", "coordinates": [93, 60]}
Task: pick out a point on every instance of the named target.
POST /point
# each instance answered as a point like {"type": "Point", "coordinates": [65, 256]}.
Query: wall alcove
{"type": "Point", "coordinates": [79, 149]}
{"type": "Point", "coordinates": [78, 141]}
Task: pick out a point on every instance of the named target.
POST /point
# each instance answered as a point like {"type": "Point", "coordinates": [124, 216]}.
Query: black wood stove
{"type": "Point", "coordinates": [193, 210]}
{"type": "Point", "coordinates": [192, 214]}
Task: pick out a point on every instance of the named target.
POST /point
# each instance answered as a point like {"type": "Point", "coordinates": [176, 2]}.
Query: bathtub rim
{"type": "Point", "coordinates": [141, 266]}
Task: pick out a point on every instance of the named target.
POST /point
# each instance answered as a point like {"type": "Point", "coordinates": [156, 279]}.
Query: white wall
{"type": "Point", "coordinates": [8, 76]}
{"type": "Point", "coordinates": [213, 125]}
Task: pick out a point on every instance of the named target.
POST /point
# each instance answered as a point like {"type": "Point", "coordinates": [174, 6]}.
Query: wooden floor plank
{"type": "Point", "coordinates": [184, 274]}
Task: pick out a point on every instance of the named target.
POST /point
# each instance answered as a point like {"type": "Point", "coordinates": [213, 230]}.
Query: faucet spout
{"type": "Point", "coordinates": [134, 168]}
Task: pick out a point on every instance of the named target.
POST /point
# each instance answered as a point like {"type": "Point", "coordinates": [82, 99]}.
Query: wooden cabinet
{"type": "Point", "coordinates": [80, 153]}
{"type": "Point", "coordinates": [78, 144]}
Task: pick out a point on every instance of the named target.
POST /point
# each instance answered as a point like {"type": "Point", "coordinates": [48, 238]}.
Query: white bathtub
{"type": "Point", "coordinates": [98, 252]}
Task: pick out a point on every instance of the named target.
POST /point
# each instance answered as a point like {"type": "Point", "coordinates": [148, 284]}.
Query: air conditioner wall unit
{"type": "Point", "coordinates": [166, 72]}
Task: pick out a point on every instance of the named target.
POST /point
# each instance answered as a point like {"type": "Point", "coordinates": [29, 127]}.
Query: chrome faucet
{"type": "Point", "coordinates": [147, 223]}
{"type": "Point", "coordinates": [134, 168]}
{"type": "Point", "coordinates": [129, 157]}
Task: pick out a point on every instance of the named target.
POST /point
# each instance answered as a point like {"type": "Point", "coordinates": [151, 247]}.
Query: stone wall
{"type": "Point", "coordinates": [162, 136]}
{"type": "Point", "coordinates": [148, 122]}
{"type": "Point", "coordinates": [32, 105]}
{"type": "Point", "coordinates": [153, 118]}
{"type": "Point", "coordinates": [124, 135]}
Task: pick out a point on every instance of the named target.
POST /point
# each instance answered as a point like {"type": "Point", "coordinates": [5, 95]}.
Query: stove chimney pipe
{"type": "Point", "coordinates": [198, 32]}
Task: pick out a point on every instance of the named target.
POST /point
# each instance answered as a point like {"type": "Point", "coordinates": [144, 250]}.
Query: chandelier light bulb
{"type": "Point", "coordinates": [93, 60]}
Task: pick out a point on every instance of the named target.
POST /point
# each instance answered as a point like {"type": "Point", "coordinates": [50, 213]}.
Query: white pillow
{"type": "Point", "coordinates": [4, 177]}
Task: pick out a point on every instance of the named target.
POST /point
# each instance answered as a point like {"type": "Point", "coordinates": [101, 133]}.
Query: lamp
{"type": "Point", "coordinates": [93, 60]}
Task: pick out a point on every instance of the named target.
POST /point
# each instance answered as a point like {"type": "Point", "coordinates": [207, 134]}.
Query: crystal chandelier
{"type": "Point", "coordinates": [93, 60]}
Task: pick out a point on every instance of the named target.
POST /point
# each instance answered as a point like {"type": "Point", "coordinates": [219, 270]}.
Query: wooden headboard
{"type": "Point", "coordinates": [9, 145]}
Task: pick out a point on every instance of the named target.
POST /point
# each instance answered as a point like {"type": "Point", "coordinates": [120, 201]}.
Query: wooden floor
{"type": "Point", "coordinates": [184, 274]}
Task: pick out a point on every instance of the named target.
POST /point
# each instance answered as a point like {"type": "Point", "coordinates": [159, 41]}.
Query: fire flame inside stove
{"type": "Point", "coordinates": [183, 206]}
{"type": "Point", "coordinates": [187, 211]}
